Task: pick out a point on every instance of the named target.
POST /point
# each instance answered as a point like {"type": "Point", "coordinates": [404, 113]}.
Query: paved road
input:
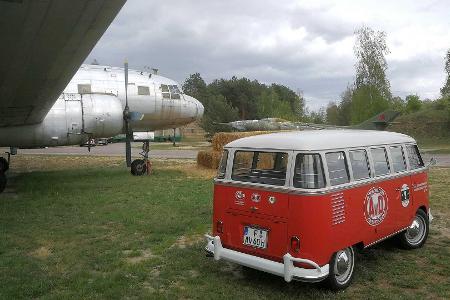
{"type": "Point", "coordinates": [116, 149]}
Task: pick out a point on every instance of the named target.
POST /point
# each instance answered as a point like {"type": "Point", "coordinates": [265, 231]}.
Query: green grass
{"type": "Point", "coordinates": [96, 234]}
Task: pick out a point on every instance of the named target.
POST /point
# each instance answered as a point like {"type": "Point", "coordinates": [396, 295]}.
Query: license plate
{"type": "Point", "coordinates": [255, 237]}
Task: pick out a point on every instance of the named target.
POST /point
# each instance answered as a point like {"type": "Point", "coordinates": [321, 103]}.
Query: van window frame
{"type": "Point", "coordinates": [230, 163]}
{"type": "Point", "coordinates": [391, 158]}
{"type": "Point", "coordinates": [386, 156]}
{"type": "Point", "coordinates": [292, 154]}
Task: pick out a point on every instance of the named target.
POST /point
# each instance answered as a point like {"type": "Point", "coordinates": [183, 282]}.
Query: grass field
{"type": "Point", "coordinates": [84, 228]}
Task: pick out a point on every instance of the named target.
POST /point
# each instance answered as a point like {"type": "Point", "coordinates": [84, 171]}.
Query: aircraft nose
{"type": "Point", "coordinates": [196, 107]}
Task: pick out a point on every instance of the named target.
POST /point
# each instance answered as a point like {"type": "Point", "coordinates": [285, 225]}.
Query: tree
{"type": "Point", "coordinates": [332, 113]}
{"type": "Point", "coordinates": [371, 93]}
{"type": "Point", "coordinates": [413, 103]}
{"type": "Point", "coordinates": [195, 86]}
{"type": "Point", "coordinates": [445, 90]}
{"type": "Point", "coordinates": [344, 107]}
{"type": "Point", "coordinates": [370, 49]}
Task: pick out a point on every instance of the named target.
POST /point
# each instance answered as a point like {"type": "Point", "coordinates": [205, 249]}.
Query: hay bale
{"type": "Point", "coordinates": [220, 139]}
{"type": "Point", "coordinates": [209, 158]}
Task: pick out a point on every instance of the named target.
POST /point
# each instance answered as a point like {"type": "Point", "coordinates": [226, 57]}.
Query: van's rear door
{"type": "Point", "coordinates": [256, 220]}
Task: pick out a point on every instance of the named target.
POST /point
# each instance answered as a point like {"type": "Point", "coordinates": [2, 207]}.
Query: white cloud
{"type": "Point", "coordinates": [305, 45]}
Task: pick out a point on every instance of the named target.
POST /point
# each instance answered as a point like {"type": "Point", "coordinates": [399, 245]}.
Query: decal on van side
{"type": "Point", "coordinates": [375, 206]}
{"type": "Point", "coordinates": [405, 195]}
{"type": "Point", "coordinates": [240, 196]}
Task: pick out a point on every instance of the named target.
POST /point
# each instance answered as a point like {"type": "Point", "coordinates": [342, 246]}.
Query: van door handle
{"type": "Point", "coordinates": [253, 208]}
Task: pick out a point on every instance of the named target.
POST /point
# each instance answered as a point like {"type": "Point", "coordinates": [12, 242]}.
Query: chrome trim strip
{"type": "Point", "coordinates": [323, 191]}
{"type": "Point", "coordinates": [386, 237]}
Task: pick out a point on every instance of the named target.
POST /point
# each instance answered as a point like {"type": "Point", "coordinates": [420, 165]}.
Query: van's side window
{"type": "Point", "coordinates": [308, 172]}
{"type": "Point", "coordinates": [360, 164]}
{"type": "Point", "coordinates": [222, 165]}
{"type": "Point", "coordinates": [398, 159]}
{"type": "Point", "coordinates": [415, 160]}
{"type": "Point", "coordinates": [337, 168]}
{"type": "Point", "coordinates": [380, 161]}
{"type": "Point", "coordinates": [260, 167]}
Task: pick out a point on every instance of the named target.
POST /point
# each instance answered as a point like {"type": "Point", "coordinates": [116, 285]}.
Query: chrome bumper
{"type": "Point", "coordinates": [285, 269]}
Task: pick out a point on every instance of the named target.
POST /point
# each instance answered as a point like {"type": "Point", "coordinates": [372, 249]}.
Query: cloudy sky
{"type": "Point", "coordinates": [306, 45]}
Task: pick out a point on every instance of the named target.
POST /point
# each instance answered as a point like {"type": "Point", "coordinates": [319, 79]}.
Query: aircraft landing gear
{"type": "Point", "coordinates": [2, 181]}
{"type": "Point", "coordinates": [141, 166]}
{"type": "Point", "coordinates": [4, 164]}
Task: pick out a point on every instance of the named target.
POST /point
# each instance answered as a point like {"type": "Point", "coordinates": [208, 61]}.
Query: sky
{"type": "Point", "coordinates": [305, 45]}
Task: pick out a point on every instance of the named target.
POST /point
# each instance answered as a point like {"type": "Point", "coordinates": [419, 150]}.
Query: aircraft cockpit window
{"type": "Point", "coordinates": [165, 91]}
{"type": "Point", "coordinates": [170, 91]}
{"type": "Point", "coordinates": [143, 90]}
{"type": "Point", "coordinates": [175, 91]}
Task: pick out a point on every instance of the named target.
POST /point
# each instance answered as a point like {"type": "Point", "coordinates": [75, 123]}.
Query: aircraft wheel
{"type": "Point", "coordinates": [2, 181]}
{"type": "Point", "coordinates": [416, 235]}
{"type": "Point", "coordinates": [4, 166]}
{"type": "Point", "coordinates": [138, 167]}
{"type": "Point", "coordinates": [342, 267]}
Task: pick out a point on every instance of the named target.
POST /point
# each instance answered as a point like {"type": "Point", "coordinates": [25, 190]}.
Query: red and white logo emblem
{"type": "Point", "coordinates": [375, 206]}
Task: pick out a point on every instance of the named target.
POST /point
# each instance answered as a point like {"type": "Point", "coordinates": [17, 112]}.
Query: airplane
{"type": "Point", "coordinates": [378, 122]}
{"type": "Point", "coordinates": [48, 98]}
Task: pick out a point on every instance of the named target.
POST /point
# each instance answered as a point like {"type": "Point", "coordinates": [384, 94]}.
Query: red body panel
{"type": "Point", "coordinates": [325, 223]}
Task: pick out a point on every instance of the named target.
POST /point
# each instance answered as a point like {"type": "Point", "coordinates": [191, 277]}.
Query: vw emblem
{"type": "Point", "coordinates": [256, 197]}
{"type": "Point", "coordinates": [239, 195]}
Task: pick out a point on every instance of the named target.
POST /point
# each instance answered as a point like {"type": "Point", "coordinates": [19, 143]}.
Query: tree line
{"type": "Point", "coordinates": [369, 93]}
{"type": "Point", "coordinates": [227, 100]}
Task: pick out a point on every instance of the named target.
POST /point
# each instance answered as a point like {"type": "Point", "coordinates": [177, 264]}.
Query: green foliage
{"type": "Point", "coordinates": [413, 103]}
{"type": "Point", "coordinates": [367, 101]}
{"type": "Point", "coordinates": [370, 49]}
{"type": "Point", "coordinates": [445, 90]}
{"type": "Point", "coordinates": [332, 113]}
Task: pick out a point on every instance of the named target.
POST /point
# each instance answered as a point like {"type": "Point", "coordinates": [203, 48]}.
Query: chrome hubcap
{"type": "Point", "coordinates": [416, 231]}
{"type": "Point", "coordinates": [343, 266]}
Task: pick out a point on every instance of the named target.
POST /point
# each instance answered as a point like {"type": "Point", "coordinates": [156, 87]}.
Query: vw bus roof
{"type": "Point", "coordinates": [320, 140]}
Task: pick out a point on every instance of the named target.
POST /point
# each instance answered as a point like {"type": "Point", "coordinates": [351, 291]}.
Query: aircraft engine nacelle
{"type": "Point", "coordinates": [102, 115]}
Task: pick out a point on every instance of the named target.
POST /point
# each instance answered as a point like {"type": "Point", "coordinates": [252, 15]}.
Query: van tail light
{"type": "Point", "coordinates": [295, 244]}
{"type": "Point", "coordinates": [219, 226]}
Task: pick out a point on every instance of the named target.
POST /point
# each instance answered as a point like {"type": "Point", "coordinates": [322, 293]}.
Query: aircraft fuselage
{"type": "Point", "coordinates": [92, 106]}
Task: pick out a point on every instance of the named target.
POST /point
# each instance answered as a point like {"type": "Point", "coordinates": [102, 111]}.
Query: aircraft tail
{"type": "Point", "coordinates": [378, 122]}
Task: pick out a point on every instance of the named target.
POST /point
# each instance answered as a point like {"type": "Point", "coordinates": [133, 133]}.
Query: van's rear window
{"type": "Point", "coordinates": [260, 167]}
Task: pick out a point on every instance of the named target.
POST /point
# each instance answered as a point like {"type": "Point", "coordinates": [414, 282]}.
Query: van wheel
{"type": "Point", "coordinates": [415, 236]}
{"type": "Point", "coordinates": [138, 167]}
{"type": "Point", "coordinates": [342, 266]}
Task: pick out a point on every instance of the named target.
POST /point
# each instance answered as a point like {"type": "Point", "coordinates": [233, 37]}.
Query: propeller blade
{"type": "Point", "coordinates": [126, 119]}
{"type": "Point", "coordinates": [129, 136]}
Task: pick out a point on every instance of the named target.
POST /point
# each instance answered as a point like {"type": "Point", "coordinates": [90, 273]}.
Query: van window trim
{"type": "Point", "coordinates": [352, 178]}
{"type": "Point", "coordinates": [230, 163]}
{"type": "Point", "coordinates": [346, 163]}
{"type": "Point", "coordinates": [405, 160]}
{"type": "Point", "coordinates": [292, 154]}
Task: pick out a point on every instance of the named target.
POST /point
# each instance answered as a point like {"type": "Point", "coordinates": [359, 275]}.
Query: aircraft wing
{"type": "Point", "coordinates": [43, 43]}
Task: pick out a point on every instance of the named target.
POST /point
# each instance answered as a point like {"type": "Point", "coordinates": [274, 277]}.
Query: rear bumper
{"type": "Point", "coordinates": [287, 270]}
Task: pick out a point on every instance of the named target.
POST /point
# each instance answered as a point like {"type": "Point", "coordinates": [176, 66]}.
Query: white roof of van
{"type": "Point", "coordinates": [316, 140]}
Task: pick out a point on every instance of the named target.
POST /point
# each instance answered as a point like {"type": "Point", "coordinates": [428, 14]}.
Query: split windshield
{"type": "Point", "coordinates": [260, 167]}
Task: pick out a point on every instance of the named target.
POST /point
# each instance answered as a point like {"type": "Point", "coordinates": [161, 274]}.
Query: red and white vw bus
{"type": "Point", "coordinates": [296, 204]}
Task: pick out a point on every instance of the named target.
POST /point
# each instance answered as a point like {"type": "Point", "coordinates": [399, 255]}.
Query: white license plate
{"type": "Point", "coordinates": [255, 237]}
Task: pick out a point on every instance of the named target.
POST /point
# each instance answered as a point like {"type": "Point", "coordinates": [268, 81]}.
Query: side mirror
{"type": "Point", "coordinates": [432, 162]}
